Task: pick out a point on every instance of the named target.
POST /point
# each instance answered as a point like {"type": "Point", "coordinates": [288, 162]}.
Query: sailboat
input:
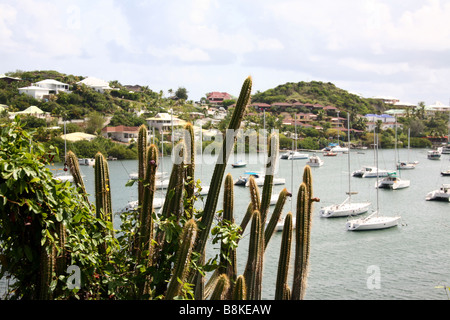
{"type": "Point", "coordinates": [407, 165]}
{"type": "Point", "coordinates": [66, 175]}
{"type": "Point", "coordinates": [375, 221]}
{"type": "Point", "coordinates": [446, 148]}
{"type": "Point", "coordinates": [393, 181]}
{"type": "Point", "coordinates": [294, 154]}
{"type": "Point", "coordinates": [347, 207]}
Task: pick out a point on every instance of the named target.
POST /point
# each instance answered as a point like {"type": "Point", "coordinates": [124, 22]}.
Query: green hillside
{"type": "Point", "coordinates": [317, 92]}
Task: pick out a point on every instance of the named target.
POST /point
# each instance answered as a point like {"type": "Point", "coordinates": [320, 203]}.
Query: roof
{"type": "Point", "coordinates": [31, 110]}
{"type": "Point", "coordinates": [52, 81]}
{"type": "Point", "coordinates": [95, 82]}
{"type": "Point", "coordinates": [120, 128]}
{"type": "Point", "coordinates": [34, 88]}
{"type": "Point", "coordinates": [77, 136]}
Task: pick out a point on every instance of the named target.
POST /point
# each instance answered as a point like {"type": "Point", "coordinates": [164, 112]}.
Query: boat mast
{"type": "Point", "coordinates": [348, 158]}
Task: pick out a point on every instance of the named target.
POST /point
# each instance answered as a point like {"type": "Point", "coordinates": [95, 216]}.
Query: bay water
{"type": "Point", "coordinates": [407, 262]}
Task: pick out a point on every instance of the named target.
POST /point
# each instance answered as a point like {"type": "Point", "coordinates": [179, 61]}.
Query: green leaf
{"type": "Point", "coordinates": [28, 253]}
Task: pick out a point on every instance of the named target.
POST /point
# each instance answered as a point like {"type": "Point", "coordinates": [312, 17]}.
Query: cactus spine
{"type": "Point", "coordinates": [74, 167]}
{"type": "Point", "coordinates": [254, 260]}
{"type": "Point", "coordinates": [283, 263]}
{"type": "Point", "coordinates": [142, 161]}
{"type": "Point", "coordinates": [221, 290]}
{"type": "Point", "coordinates": [240, 291]}
{"type": "Point", "coordinates": [181, 266]}
{"type": "Point", "coordinates": [303, 234]}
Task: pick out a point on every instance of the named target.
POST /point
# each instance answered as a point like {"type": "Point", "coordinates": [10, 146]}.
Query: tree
{"type": "Point", "coordinates": [95, 122]}
{"type": "Point", "coordinates": [181, 93]}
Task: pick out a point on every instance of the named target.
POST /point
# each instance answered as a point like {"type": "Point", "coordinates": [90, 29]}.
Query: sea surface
{"type": "Point", "coordinates": [407, 262]}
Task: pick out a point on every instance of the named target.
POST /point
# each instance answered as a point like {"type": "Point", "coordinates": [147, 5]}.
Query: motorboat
{"type": "Point", "coordinates": [339, 149]}
{"type": "Point", "coordinates": [259, 180]}
{"type": "Point", "coordinates": [370, 172]}
{"type": "Point", "coordinates": [441, 194]}
{"type": "Point", "coordinates": [239, 164]}
{"type": "Point", "coordinates": [392, 181]}
{"type": "Point", "coordinates": [286, 155]}
{"type": "Point", "coordinates": [372, 222]}
{"type": "Point", "coordinates": [314, 161]}
{"type": "Point", "coordinates": [345, 209]}
{"type": "Point", "coordinates": [445, 172]}
{"type": "Point", "coordinates": [402, 165]}
{"type": "Point", "coordinates": [86, 161]}
{"type": "Point", "coordinates": [297, 155]}
{"type": "Point", "coordinates": [434, 154]}
{"type": "Point", "coordinates": [329, 154]}
{"type": "Point", "coordinates": [242, 180]}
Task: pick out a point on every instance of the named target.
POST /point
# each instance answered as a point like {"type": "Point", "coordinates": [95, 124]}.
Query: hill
{"type": "Point", "coordinates": [317, 92]}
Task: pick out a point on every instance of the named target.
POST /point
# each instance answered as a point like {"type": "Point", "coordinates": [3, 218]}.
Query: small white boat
{"type": "Point", "coordinates": [280, 224]}
{"type": "Point", "coordinates": [392, 182]}
{"type": "Point", "coordinates": [159, 175]}
{"type": "Point", "coordinates": [162, 184]}
{"type": "Point", "coordinates": [370, 172]}
{"type": "Point", "coordinates": [339, 149]}
{"type": "Point", "coordinates": [344, 209]}
{"type": "Point", "coordinates": [242, 180]}
{"type": "Point", "coordinates": [406, 165]}
{"type": "Point", "coordinates": [64, 176]}
{"type": "Point", "coordinates": [239, 164]}
{"type": "Point", "coordinates": [434, 154]}
{"type": "Point", "coordinates": [372, 222]}
{"type": "Point", "coordinates": [86, 161]}
{"type": "Point", "coordinates": [133, 205]}
{"type": "Point", "coordinates": [445, 172]}
{"type": "Point", "coordinates": [441, 194]}
{"type": "Point", "coordinates": [297, 155]}
{"type": "Point", "coordinates": [314, 161]}
{"type": "Point", "coordinates": [260, 181]}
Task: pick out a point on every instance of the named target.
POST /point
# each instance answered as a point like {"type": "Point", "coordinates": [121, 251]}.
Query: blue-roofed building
{"type": "Point", "coordinates": [388, 121]}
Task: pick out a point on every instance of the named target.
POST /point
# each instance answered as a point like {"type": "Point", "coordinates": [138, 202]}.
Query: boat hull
{"type": "Point", "coordinates": [372, 223]}
{"type": "Point", "coordinates": [344, 210]}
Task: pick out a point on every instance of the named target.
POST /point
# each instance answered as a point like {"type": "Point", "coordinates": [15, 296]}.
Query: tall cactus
{"type": "Point", "coordinates": [216, 180]}
{"type": "Point", "coordinates": [181, 265]}
{"type": "Point", "coordinates": [303, 235]}
{"type": "Point", "coordinates": [146, 209]}
{"type": "Point", "coordinates": [273, 146]}
{"type": "Point", "coordinates": [276, 214]}
{"type": "Point", "coordinates": [74, 167]}
{"type": "Point", "coordinates": [102, 188]}
{"type": "Point", "coordinates": [190, 167]}
{"type": "Point", "coordinates": [142, 160]}
{"type": "Point", "coordinates": [254, 261]}
{"type": "Point", "coordinates": [283, 263]}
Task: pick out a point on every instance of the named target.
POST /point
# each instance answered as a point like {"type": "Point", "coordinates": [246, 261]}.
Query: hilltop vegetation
{"type": "Point", "coordinates": [317, 92]}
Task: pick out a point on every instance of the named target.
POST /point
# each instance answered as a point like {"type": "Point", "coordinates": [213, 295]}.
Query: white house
{"type": "Point", "coordinates": [36, 92]}
{"type": "Point", "coordinates": [164, 121]}
{"type": "Point", "coordinates": [387, 121]}
{"type": "Point", "coordinates": [96, 84]}
{"type": "Point", "coordinates": [121, 133]}
{"type": "Point", "coordinates": [53, 85]}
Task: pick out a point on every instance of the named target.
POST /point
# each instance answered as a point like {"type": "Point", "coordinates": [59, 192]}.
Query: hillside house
{"type": "Point", "coordinates": [96, 84]}
{"type": "Point", "coordinates": [52, 85]}
{"type": "Point", "coordinates": [218, 97]}
{"type": "Point", "coordinates": [36, 92]}
{"type": "Point", "coordinates": [121, 133]}
{"type": "Point", "coordinates": [163, 122]}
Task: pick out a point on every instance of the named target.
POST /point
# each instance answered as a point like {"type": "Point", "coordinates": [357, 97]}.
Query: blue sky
{"type": "Point", "coordinates": [372, 47]}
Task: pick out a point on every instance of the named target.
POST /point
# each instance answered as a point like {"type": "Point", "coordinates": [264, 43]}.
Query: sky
{"type": "Point", "coordinates": [389, 48]}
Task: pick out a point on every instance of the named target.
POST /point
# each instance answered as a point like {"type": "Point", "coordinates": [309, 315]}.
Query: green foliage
{"type": "Point", "coordinates": [33, 204]}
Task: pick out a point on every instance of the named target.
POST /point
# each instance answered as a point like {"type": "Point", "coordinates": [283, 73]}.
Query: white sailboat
{"type": "Point", "coordinates": [347, 207]}
{"type": "Point", "coordinates": [407, 165]}
{"type": "Point", "coordinates": [441, 194]}
{"type": "Point", "coordinates": [375, 221]}
{"type": "Point", "coordinates": [393, 181]}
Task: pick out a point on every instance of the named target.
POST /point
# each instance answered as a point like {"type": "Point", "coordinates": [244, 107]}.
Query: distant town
{"type": "Point", "coordinates": [90, 108]}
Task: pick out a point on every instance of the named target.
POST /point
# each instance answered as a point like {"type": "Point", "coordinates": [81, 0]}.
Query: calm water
{"type": "Point", "coordinates": [409, 260]}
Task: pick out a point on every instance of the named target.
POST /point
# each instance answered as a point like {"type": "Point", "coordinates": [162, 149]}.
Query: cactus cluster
{"type": "Point", "coordinates": [170, 246]}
